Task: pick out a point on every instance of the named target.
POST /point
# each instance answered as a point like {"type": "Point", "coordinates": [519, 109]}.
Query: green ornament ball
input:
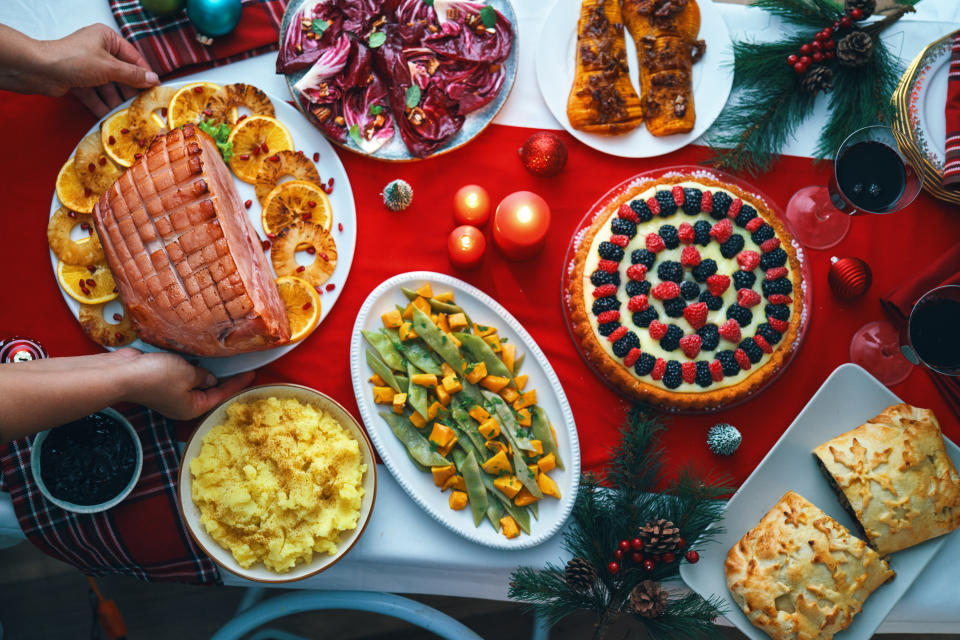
{"type": "Point", "coordinates": [214, 18]}
{"type": "Point", "coordinates": [162, 8]}
{"type": "Point", "coordinates": [397, 195]}
{"type": "Point", "coordinates": [723, 439]}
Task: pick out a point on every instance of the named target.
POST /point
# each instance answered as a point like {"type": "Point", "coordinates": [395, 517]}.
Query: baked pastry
{"type": "Point", "coordinates": [894, 477]}
{"type": "Point", "coordinates": [800, 575]}
{"type": "Point", "coordinates": [602, 99]}
{"type": "Point", "coordinates": [685, 292]}
{"type": "Point", "coordinates": [665, 34]}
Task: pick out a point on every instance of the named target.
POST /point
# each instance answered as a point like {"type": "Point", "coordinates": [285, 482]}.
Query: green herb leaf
{"type": "Point", "coordinates": [429, 3]}
{"type": "Point", "coordinates": [355, 134]}
{"type": "Point", "coordinates": [504, 339]}
{"type": "Point", "coordinates": [488, 17]}
{"type": "Point", "coordinates": [433, 445]}
{"type": "Point", "coordinates": [319, 26]}
{"type": "Point", "coordinates": [376, 109]}
{"type": "Point", "coordinates": [376, 39]}
{"type": "Point", "coordinates": [221, 136]}
{"type": "Point", "coordinates": [413, 96]}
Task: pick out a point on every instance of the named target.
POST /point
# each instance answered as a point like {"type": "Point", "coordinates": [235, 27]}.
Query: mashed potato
{"type": "Point", "coordinates": [278, 481]}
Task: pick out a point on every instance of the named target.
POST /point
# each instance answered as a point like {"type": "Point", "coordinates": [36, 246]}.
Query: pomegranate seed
{"type": "Point", "coordinates": [331, 286]}
{"type": "Point", "coordinates": [137, 156]}
{"type": "Point", "coordinates": [241, 117]}
{"type": "Point", "coordinates": [111, 140]}
{"type": "Point", "coordinates": [71, 214]}
{"type": "Point", "coordinates": [124, 130]}
{"type": "Point", "coordinates": [207, 112]}
{"type": "Point", "coordinates": [306, 305]}
{"type": "Point", "coordinates": [163, 112]}
{"type": "Point", "coordinates": [264, 148]}
{"type": "Point", "coordinates": [103, 161]}
{"type": "Point", "coordinates": [87, 192]}
{"type": "Point", "coordinates": [274, 158]}
{"type": "Point", "coordinates": [92, 167]}
{"type": "Point", "coordinates": [256, 151]}
{"type": "Point", "coordinates": [324, 256]}
{"type": "Point", "coordinates": [118, 335]}
{"type": "Point", "coordinates": [82, 283]}
{"type": "Point", "coordinates": [316, 157]}
{"type": "Point", "coordinates": [89, 232]}
{"type": "Point", "coordinates": [271, 235]}
{"type": "Point", "coordinates": [91, 283]}
{"type": "Point", "coordinates": [311, 250]}
{"type": "Point", "coordinates": [117, 317]}
{"type": "Point", "coordinates": [244, 156]}
{"type": "Point", "coordinates": [265, 244]}
{"type": "Point", "coordinates": [248, 204]}
{"type": "Point", "coordinates": [311, 204]}
{"type": "Point", "coordinates": [84, 225]}
{"type": "Point", "coordinates": [198, 89]}
{"type": "Point", "coordinates": [339, 226]}
{"type": "Point", "coordinates": [85, 291]}
{"type": "Point", "coordinates": [301, 269]}
{"type": "Point", "coordinates": [92, 268]}
{"type": "Point", "coordinates": [330, 183]}
{"type": "Point", "coordinates": [318, 289]}
{"type": "Point", "coordinates": [306, 217]}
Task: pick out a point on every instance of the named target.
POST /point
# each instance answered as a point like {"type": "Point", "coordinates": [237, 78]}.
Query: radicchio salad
{"type": "Point", "coordinates": [374, 66]}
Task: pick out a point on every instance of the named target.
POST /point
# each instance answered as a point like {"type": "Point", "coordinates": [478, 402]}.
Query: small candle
{"type": "Point", "coordinates": [471, 205]}
{"type": "Point", "coordinates": [466, 245]}
{"type": "Point", "coordinates": [520, 225]}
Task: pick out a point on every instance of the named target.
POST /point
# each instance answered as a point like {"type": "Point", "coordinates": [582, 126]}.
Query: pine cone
{"type": "Point", "coordinates": [580, 574]}
{"type": "Point", "coordinates": [659, 536]}
{"type": "Point", "coordinates": [855, 49]}
{"type": "Point", "coordinates": [648, 599]}
{"type": "Point", "coordinates": [866, 6]}
{"type": "Point", "coordinates": [817, 79]}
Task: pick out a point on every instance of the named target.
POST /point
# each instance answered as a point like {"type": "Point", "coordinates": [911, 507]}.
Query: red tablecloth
{"type": "Point", "coordinates": [41, 132]}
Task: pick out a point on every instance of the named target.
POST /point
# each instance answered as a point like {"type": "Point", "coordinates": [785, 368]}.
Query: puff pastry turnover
{"type": "Point", "coordinates": [800, 575]}
{"type": "Point", "coordinates": [894, 477]}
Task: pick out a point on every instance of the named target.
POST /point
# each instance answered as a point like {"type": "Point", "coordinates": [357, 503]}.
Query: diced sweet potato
{"type": "Point", "coordinates": [418, 420]}
{"type": "Point", "coordinates": [525, 497]}
{"type": "Point", "coordinates": [377, 380]}
{"type": "Point", "coordinates": [451, 384]}
{"type": "Point", "coordinates": [479, 414]}
{"type": "Point", "coordinates": [399, 402]}
{"type": "Point", "coordinates": [407, 332]}
{"type": "Point", "coordinates": [547, 463]}
{"type": "Point", "coordinates": [477, 373]}
{"type": "Point", "coordinates": [494, 383]}
{"type": "Point", "coordinates": [508, 485]}
{"type": "Point", "coordinates": [447, 369]}
{"type": "Point", "coordinates": [508, 354]}
{"type": "Point", "coordinates": [538, 448]}
{"type": "Point", "coordinates": [424, 379]}
{"type": "Point", "coordinates": [526, 400]}
{"type": "Point", "coordinates": [497, 464]}
{"type": "Point", "coordinates": [458, 500]}
{"type": "Point", "coordinates": [442, 474]}
{"type": "Point", "coordinates": [509, 527]}
{"type": "Point", "coordinates": [383, 395]}
{"type": "Point", "coordinates": [548, 486]}
{"type": "Point", "coordinates": [483, 330]}
{"type": "Point", "coordinates": [457, 321]}
{"type": "Point", "coordinates": [509, 394]}
{"type": "Point", "coordinates": [489, 428]}
{"type": "Point", "coordinates": [455, 482]}
{"type": "Point", "coordinates": [524, 419]}
{"type": "Point", "coordinates": [421, 303]}
{"type": "Point", "coordinates": [494, 341]}
{"type": "Point", "coordinates": [425, 291]}
{"type": "Point", "coordinates": [441, 321]}
{"type": "Point", "coordinates": [521, 381]}
{"type": "Point", "coordinates": [433, 410]}
{"type": "Point", "coordinates": [391, 319]}
{"type": "Point", "coordinates": [442, 396]}
{"type": "Point", "coordinates": [446, 296]}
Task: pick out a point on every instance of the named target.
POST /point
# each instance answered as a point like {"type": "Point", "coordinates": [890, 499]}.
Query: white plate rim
{"type": "Point", "coordinates": [540, 532]}
{"type": "Point", "coordinates": [345, 212]}
{"type": "Point", "coordinates": [711, 90]}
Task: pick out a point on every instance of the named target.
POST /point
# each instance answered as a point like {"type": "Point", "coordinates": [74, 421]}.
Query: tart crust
{"type": "Point", "coordinates": [623, 379]}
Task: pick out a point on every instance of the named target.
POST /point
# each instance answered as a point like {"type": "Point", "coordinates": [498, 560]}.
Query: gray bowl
{"type": "Point", "coordinates": [35, 462]}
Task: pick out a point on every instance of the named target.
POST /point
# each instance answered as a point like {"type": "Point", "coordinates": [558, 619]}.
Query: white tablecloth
{"type": "Point", "coordinates": [405, 551]}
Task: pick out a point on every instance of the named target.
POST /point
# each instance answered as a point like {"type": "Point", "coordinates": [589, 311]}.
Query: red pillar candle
{"type": "Point", "coordinates": [466, 245]}
{"type": "Point", "coordinates": [471, 205]}
{"type": "Point", "coordinates": [520, 225]}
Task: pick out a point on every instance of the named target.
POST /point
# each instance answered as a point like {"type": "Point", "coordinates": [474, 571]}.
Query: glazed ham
{"type": "Point", "coordinates": [187, 262]}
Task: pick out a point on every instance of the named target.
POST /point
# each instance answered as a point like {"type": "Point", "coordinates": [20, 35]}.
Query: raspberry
{"type": "Point", "coordinates": [762, 234]}
{"type": "Point", "coordinates": [742, 359]}
{"type": "Point", "coordinates": [620, 240]}
{"type": "Point", "coordinates": [623, 226]}
{"type": "Point", "coordinates": [721, 231]}
{"type": "Point", "coordinates": [770, 245]}
{"type": "Point", "coordinates": [672, 376]}
{"type": "Point", "coordinates": [779, 298]}
{"type": "Point", "coordinates": [666, 290]}
{"type": "Point", "coordinates": [754, 224]}
{"type": "Point", "coordinates": [671, 340]}
{"type": "Point", "coordinates": [748, 260]}
{"type": "Point", "coordinates": [644, 365]}
{"type": "Point", "coordinates": [691, 346]}
{"type": "Point", "coordinates": [703, 377]}
{"type": "Point", "coordinates": [653, 206]}
{"type": "Point", "coordinates": [701, 232]}
{"type": "Point", "coordinates": [655, 243]}
{"type": "Point", "coordinates": [762, 343]}
{"type": "Point", "coordinates": [776, 273]}
{"type": "Point", "coordinates": [608, 265]}
{"type": "Point", "coordinates": [685, 233]}
{"type": "Point", "coordinates": [674, 307]}
{"type": "Point", "coordinates": [608, 316]}
{"type": "Point", "coordinates": [638, 303]}
{"type": "Point", "coordinates": [644, 257]}
{"type": "Point", "coordinates": [678, 195]}
{"type": "Point", "coordinates": [616, 335]}
{"type": "Point", "coordinates": [716, 371]}
{"type": "Point", "coordinates": [778, 325]}
{"type": "Point", "coordinates": [670, 237]}
{"type": "Point", "coordinates": [706, 202]}
{"type": "Point", "coordinates": [641, 209]}
{"type": "Point", "coordinates": [637, 272]}
{"type": "Point", "coordinates": [601, 277]}
{"type": "Point", "coordinates": [657, 329]}
{"type": "Point", "coordinates": [659, 368]}
{"type": "Point", "coordinates": [623, 346]}
{"type": "Point", "coordinates": [734, 208]}
{"type": "Point", "coordinates": [690, 257]}
{"type": "Point", "coordinates": [732, 247]}
{"type": "Point", "coordinates": [709, 337]}
{"type": "Point", "coordinates": [670, 270]}
{"type": "Point", "coordinates": [717, 284]}
{"type": "Point", "coordinates": [688, 370]}
{"type": "Point", "coordinates": [730, 331]}
{"type": "Point", "coordinates": [696, 314]}
{"type": "Point", "coordinates": [689, 290]}
{"type": "Point", "coordinates": [627, 213]}
{"type": "Point", "coordinates": [740, 314]}
{"type": "Point", "coordinates": [692, 201]}
{"type": "Point", "coordinates": [605, 290]}
{"type": "Point", "coordinates": [630, 359]}
{"type": "Point", "coordinates": [610, 251]}
{"type": "Point", "coordinates": [748, 298]}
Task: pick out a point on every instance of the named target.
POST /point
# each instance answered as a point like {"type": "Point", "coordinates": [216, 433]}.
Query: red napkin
{"type": "Point", "coordinates": [944, 271]}
{"type": "Point", "coordinates": [169, 44]}
{"type": "Point", "coordinates": [951, 167]}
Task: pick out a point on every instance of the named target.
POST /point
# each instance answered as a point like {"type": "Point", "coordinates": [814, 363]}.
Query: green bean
{"type": "Point", "coordinates": [382, 370]}
{"type": "Point", "coordinates": [469, 426]}
{"type": "Point", "coordinates": [519, 514]}
{"type": "Point", "coordinates": [416, 395]}
{"type": "Point", "coordinates": [438, 306]}
{"type": "Point", "coordinates": [417, 446]}
{"type": "Point", "coordinates": [421, 358]}
{"type": "Point", "coordinates": [437, 340]}
{"type": "Point", "coordinates": [494, 513]}
{"type": "Point", "coordinates": [471, 392]}
{"type": "Point", "coordinates": [410, 293]}
{"type": "Point", "coordinates": [479, 349]}
{"type": "Point", "coordinates": [508, 421]}
{"type": "Point", "coordinates": [385, 348]}
{"type": "Point", "coordinates": [476, 492]}
{"type": "Point", "coordinates": [462, 441]}
{"type": "Point", "coordinates": [518, 363]}
{"type": "Point", "coordinates": [403, 382]}
{"type": "Point", "coordinates": [542, 432]}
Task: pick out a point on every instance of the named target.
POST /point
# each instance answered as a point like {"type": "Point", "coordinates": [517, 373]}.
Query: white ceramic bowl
{"type": "Point", "coordinates": [35, 462]}
{"type": "Point", "coordinates": [320, 561]}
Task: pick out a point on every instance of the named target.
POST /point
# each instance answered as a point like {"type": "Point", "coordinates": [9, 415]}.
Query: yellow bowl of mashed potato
{"type": "Point", "coordinates": [277, 483]}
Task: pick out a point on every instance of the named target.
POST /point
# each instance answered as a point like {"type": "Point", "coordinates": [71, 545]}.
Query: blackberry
{"type": "Point", "coordinates": [689, 290]}
{"type": "Point", "coordinates": [769, 334]}
{"type": "Point", "coordinates": [601, 277]}
{"type": "Point", "coordinates": [732, 247]}
{"type": "Point", "coordinates": [746, 214]}
{"type": "Point", "coordinates": [636, 287]}
{"type": "Point", "coordinates": [670, 270]}
{"type": "Point", "coordinates": [607, 303]}
{"type": "Point", "coordinates": [644, 364]}
{"type": "Point", "coordinates": [669, 234]}
{"type": "Point", "coordinates": [701, 232]}
{"type": "Point", "coordinates": [645, 317]}
{"type": "Point", "coordinates": [721, 203]}
{"type": "Point", "coordinates": [744, 279]}
{"type": "Point", "coordinates": [752, 349]}
{"type": "Point", "coordinates": [622, 346]}
{"type": "Point", "coordinates": [782, 286]}
{"type": "Point", "coordinates": [714, 303]}
{"type": "Point", "coordinates": [709, 337]}
{"type": "Point", "coordinates": [674, 307]}
{"type": "Point", "coordinates": [672, 377]}
{"type": "Point", "coordinates": [742, 315]}
{"type": "Point", "coordinates": [775, 258]}
{"type": "Point", "coordinates": [762, 234]}
{"type": "Point", "coordinates": [728, 363]}
{"type": "Point", "coordinates": [671, 339]}
{"type": "Point", "coordinates": [778, 311]}
{"type": "Point", "coordinates": [641, 209]}
{"type": "Point", "coordinates": [668, 206]}
{"type": "Point", "coordinates": [624, 227]}
{"type": "Point", "coordinates": [644, 257]}
{"type": "Point", "coordinates": [610, 251]}
{"type": "Point", "coordinates": [607, 328]}
{"type": "Point", "coordinates": [704, 379]}
{"type": "Point", "coordinates": [692, 201]}
{"type": "Point", "coordinates": [704, 270]}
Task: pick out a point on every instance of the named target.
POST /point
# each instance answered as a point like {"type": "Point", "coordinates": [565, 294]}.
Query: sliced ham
{"type": "Point", "coordinates": [187, 261]}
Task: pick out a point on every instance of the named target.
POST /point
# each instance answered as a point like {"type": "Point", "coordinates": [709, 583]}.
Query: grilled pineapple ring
{"type": "Point", "coordinates": [82, 253]}
{"type": "Point", "coordinates": [223, 104]}
{"type": "Point", "coordinates": [144, 126]}
{"type": "Point", "coordinates": [291, 163]}
{"type": "Point", "coordinates": [93, 168]}
{"type": "Point", "coordinates": [284, 249]}
{"type": "Point", "coordinates": [102, 332]}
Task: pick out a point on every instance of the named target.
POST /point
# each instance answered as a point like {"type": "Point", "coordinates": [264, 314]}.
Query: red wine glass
{"type": "Point", "coordinates": [870, 175]}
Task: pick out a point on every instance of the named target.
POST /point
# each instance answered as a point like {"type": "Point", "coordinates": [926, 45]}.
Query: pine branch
{"type": "Point", "coordinates": [813, 13]}
{"type": "Point", "coordinates": [689, 617]}
{"type": "Point", "coordinates": [635, 466]}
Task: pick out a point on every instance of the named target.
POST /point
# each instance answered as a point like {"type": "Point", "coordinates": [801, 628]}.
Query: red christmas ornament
{"type": "Point", "coordinates": [637, 544]}
{"type": "Point", "coordinates": [544, 154]}
{"type": "Point", "coordinates": [849, 277]}
{"type": "Point", "coordinates": [17, 349]}
{"type": "Point", "coordinates": [648, 565]}
{"type": "Point", "coordinates": [625, 545]}
{"type": "Point", "coordinates": [693, 557]}
{"type": "Point", "coordinates": [613, 567]}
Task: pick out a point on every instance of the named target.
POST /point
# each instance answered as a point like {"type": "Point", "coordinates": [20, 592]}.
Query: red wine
{"type": "Point", "coordinates": [871, 176]}
{"type": "Point", "coordinates": [935, 333]}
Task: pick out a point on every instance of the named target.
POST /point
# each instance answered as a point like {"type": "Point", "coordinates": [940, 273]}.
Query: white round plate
{"type": "Point", "coordinates": [305, 138]}
{"type": "Point", "coordinates": [712, 80]}
{"type": "Point", "coordinates": [482, 309]}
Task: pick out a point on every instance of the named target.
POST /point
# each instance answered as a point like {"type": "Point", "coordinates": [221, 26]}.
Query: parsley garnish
{"type": "Point", "coordinates": [375, 109]}
{"type": "Point", "coordinates": [413, 96]}
{"type": "Point", "coordinates": [488, 16]}
{"type": "Point", "coordinates": [355, 135]}
{"type": "Point", "coordinates": [376, 39]}
{"type": "Point", "coordinates": [221, 135]}
{"type": "Point", "coordinates": [319, 26]}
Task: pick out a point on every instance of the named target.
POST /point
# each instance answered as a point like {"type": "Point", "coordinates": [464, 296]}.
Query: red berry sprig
{"type": "Point", "coordinates": [823, 46]}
